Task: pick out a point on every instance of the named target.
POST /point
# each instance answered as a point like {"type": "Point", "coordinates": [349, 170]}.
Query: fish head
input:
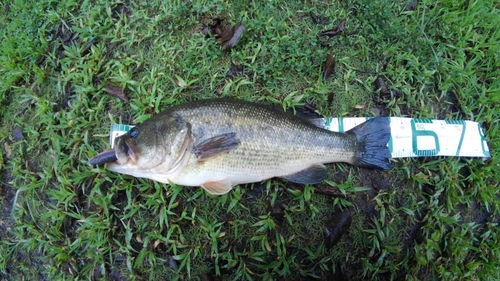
{"type": "Point", "coordinates": [154, 147]}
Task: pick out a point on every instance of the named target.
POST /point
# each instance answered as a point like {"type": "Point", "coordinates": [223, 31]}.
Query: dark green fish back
{"type": "Point", "coordinates": [270, 126]}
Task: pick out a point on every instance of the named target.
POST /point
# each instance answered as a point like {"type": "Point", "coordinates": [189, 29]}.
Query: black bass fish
{"type": "Point", "coordinates": [219, 143]}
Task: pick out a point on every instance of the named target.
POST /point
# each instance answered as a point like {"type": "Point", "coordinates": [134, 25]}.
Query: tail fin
{"type": "Point", "coordinates": [373, 136]}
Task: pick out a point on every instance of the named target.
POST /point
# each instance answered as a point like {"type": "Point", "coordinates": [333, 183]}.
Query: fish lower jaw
{"type": "Point", "coordinates": [122, 161]}
{"type": "Point", "coordinates": [130, 170]}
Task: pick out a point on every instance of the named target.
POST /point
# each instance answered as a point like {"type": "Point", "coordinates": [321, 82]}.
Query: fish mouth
{"type": "Point", "coordinates": [121, 155]}
{"type": "Point", "coordinates": [104, 157]}
{"type": "Point", "coordinates": [125, 152]}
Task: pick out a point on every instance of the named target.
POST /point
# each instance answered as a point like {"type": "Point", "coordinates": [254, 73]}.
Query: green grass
{"type": "Point", "coordinates": [426, 219]}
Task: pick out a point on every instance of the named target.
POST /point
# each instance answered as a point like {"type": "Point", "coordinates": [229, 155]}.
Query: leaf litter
{"type": "Point", "coordinates": [227, 35]}
{"type": "Point", "coordinates": [336, 30]}
{"type": "Point", "coordinates": [116, 91]}
{"type": "Point", "coordinates": [329, 66]}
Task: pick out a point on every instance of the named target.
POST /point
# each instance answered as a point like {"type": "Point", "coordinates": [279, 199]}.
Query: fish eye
{"type": "Point", "coordinates": [134, 132]}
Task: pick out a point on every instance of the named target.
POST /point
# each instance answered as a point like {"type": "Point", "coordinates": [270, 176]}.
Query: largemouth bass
{"type": "Point", "coordinates": [219, 143]}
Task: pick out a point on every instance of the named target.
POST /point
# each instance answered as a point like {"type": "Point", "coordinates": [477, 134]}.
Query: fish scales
{"type": "Point", "coordinates": [271, 143]}
{"type": "Point", "coordinates": [221, 143]}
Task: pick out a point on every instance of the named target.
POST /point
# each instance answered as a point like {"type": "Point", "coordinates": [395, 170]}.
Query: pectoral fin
{"type": "Point", "coordinates": [218, 187]}
{"type": "Point", "coordinates": [314, 174]}
{"type": "Point", "coordinates": [215, 145]}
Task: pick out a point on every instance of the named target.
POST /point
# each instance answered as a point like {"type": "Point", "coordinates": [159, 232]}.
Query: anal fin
{"type": "Point", "coordinates": [218, 187]}
{"type": "Point", "coordinates": [313, 174]}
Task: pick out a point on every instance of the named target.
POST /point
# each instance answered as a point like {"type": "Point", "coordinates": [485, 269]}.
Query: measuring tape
{"type": "Point", "coordinates": [410, 137]}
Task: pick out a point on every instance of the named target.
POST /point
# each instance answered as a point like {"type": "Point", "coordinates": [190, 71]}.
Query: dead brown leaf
{"type": "Point", "coordinates": [337, 226]}
{"type": "Point", "coordinates": [380, 85]}
{"type": "Point", "coordinates": [216, 27]}
{"type": "Point", "coordinates": [116, 91]}
{"type": "Point", "coordinates": [328, 190]}
{"type": "Point", "coordinates": [225, 34]}
{"type": "Point", "coordinates": [228, 36]}
{"type": "Point", "coordinates": [336, 30]}
{"type": "Point", "coordinates": [231, 36]}
{"type": "Point", "coordinates": [329, 66]}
